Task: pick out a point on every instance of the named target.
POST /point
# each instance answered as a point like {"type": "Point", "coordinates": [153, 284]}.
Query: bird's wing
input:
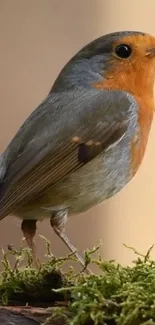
{"type": "Point", "coordinates": [65, 132]}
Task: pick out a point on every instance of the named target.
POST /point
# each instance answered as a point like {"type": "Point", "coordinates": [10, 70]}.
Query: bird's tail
{"type": "Point", "coordinates": [2, 167]}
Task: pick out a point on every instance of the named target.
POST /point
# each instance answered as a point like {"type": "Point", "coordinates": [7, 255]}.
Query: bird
{"type": "Point", "coordinates": [86, 140]}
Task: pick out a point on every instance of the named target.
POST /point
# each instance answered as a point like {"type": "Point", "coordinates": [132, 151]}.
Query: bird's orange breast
{"type": "Point", "coordinates": [145, 117]}
{"type": "Point", "coordinates": [144, 96]}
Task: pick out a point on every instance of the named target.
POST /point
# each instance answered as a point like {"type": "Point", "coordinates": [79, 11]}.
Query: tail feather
{"type": "Point", "coordinates": [3, 167]}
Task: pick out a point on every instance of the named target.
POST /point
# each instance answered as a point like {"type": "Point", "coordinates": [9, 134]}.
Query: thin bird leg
{"type": "Point", "coordinates": [58, 221]}
{"type": "Point", "coordinates": [29, 230]}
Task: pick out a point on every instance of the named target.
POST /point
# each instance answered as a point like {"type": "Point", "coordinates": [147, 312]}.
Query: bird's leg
{"type": "Point", "coordinates": [58, 221]}
{"type": "Point", "coordinates": [29, 230]}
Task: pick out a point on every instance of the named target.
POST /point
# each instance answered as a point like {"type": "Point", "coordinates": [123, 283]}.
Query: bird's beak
{"type": "Point", "coordinates": [151, 53]}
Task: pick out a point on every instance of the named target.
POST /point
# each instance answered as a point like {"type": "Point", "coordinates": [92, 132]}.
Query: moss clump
{"type": "Point", "coordinates": [28, 285]}
{"type": "Point", "coordinates": [118, 296]}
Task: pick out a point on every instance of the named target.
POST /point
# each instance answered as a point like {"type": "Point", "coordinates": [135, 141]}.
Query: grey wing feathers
{"type": "Point", "coordinates": [45, 153]}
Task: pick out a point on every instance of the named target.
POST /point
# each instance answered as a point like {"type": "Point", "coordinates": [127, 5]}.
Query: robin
{"type": "Point", "coordinates": [86, 140]}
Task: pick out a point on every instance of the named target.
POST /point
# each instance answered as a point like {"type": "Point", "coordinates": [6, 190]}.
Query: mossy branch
{"type": "Point", "coordinates": [118, 296]}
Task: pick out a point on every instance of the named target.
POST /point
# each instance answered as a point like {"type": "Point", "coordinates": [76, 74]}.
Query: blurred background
{"type": "Point", "coordinates": [36, 39]}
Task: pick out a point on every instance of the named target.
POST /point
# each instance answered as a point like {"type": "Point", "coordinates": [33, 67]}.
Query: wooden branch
{"type": "Point", "coordinates": [25, 316]}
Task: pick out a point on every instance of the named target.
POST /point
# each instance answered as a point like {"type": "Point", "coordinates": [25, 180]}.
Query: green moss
{"type": "Point", "coordinates": [27, 285]}
{"type": "Point", "coordinates": [119, 295]}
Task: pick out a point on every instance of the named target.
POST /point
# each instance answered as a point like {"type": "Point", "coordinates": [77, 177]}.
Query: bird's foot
{"type": "Point", "coordinates": [58, 221]}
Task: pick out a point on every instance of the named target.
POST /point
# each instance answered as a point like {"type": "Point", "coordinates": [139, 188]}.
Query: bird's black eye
{"type": "Point", "coordinates": [123, 51]}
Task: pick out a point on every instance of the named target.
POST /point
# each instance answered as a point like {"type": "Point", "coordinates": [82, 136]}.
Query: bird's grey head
{"type": "Point", "coordinates": [88, 65]}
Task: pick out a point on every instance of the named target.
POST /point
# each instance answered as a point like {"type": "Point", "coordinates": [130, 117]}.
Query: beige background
{"type": "Point", "coordinates": [37, 37]}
